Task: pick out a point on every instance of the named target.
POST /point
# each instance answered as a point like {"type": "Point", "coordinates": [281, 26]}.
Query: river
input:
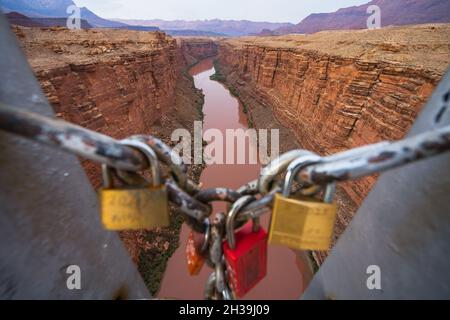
{"type": "Point", "coordinates": [287, 274]}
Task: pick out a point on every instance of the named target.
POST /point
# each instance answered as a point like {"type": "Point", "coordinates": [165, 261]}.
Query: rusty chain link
{"type": "Point", "coordinates": [193, 202]}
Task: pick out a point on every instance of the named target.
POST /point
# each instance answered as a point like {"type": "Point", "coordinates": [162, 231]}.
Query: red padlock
{"type": "Point", "coordinates": [245, 251]}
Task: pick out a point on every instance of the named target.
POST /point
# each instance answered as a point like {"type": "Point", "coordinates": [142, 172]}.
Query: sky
{"type": "Point", "coordinates": [256, 10]}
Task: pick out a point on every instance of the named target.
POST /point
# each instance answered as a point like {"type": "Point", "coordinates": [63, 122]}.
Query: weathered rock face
{"type": "Point", "coordinates": [119, 83]}
{"type": "Point", "coordinates": [134, 89]}
{"type": "Point", "coordinates": [332, 101]}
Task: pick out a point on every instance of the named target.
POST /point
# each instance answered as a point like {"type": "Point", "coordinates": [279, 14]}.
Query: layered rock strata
{"type": "Point", "coordinates": [338, 90]}
{"type": "Point", "coordinates": [119, 83]}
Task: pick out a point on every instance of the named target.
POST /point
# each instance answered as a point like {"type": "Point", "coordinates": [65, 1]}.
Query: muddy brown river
{"type": "Point", "coordinates": [287, 272]}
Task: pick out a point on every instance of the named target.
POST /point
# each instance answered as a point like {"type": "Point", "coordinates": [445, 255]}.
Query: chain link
{"type": "Point", "coordinates": [253, 199]}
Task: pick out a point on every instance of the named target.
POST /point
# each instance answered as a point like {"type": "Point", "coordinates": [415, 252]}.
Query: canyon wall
{"type": "Point", "coordinates": [338, 90]}
{"type": "Point", "coordinates": [120, 83]}
{"type": "Point", "coordinates": [196, 49]}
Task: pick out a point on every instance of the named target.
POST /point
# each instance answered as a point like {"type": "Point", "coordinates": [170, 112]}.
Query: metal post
{"type": "Point", "coordinates": [403, 227]}
{"type": "Point", "coordinates": [48, 210]}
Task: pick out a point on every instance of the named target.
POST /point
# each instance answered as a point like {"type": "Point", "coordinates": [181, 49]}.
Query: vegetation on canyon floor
{"type": "Point", "coordinates": [162, 243]}
{"type": "Point", "coordinates": [199, 106]}
{"type": "Point", "coordinates": [220, 77]}
{"type": "Point", "coordinates": [152, 263]}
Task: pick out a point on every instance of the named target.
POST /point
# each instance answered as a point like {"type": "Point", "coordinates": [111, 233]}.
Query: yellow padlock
{"type": "Point", "coordinates": [131, 207]}
{"type": "Point", "coordinates": [302, 224]}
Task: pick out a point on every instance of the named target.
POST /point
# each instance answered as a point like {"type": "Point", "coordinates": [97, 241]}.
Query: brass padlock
{"type": "Point", "coordinates": [134, 207]}
{"type": "Point", "coordinates": [303, 224]}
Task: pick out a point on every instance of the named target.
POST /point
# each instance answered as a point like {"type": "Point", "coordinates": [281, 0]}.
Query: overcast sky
{"type": "Point", "coordinates": [255, 10]}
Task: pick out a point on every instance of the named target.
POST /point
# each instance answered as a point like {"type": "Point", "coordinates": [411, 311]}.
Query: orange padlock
{"type": "Point", "coordinates": [196, 247]}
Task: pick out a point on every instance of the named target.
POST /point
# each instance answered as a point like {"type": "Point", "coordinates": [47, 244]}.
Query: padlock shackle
{"type": "Point", "coordinates": [295, 167]}
{"type": "Point", "coordinates": [231, 217]}
{"type": "Point", "coordinates": [277, 166]}
{"type": "Point", "coordinates": [299, 164]}
{"type": "Point", "coordinates": [106, 176]}
{"type": "Point", "coordinates": [150, 155]}
{"type": "Point", "coordinates": [330, 191]}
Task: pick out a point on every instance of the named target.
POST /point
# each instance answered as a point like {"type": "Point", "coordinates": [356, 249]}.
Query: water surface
{"type": "Point", "coordinates": [287, 273]}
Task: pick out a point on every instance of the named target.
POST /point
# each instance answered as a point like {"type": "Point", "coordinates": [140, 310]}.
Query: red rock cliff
{"type": "Point", "coordinates": [339, 90]}
{"type": "Point", "coordinates": [119, 83]}
{"type": "Point", "coordinates": [115, 82]}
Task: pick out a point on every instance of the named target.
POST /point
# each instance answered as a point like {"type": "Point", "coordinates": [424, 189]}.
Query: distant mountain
{"type": "Point", "coordinates": [37, 8]}
{"type": "Point", "coordinates": [193, 33]}
{"type": "Point", "coordinates": [393, 12]}
{"type": "Point", "coordinates": [217, 26]}
{"type": "Point", "coordinates": [99, 22]}
{"type": "Point", "coordinates": [265, 33]}
{"type": "Point", "coordinates": [22, 20]}
{"type": "Point", "coordinates": [55, 9]}
{"type": "Point", "coordinates": [139, 28]}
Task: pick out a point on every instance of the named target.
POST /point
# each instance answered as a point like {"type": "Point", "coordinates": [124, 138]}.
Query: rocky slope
{"type": "Point", "coordinates": [338, 90]}
{"type": "Point", "coordinates": [119, 83]}
{"type": "Point", "coordinates": [393, 13]}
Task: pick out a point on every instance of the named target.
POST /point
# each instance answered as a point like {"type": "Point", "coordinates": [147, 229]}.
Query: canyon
{"type": "Point", "coordinates": [219, 27]}
{"type": "Point", "coordinates": [121, 83]}
{"type": "Point", "coordinates": [326, 92]}
{"type": "Point", "coordinates": [337, 90]}
{"type": "Point", "coordinates": [115, 82]}
{"type": "Point", "coordinates": [53, 12]}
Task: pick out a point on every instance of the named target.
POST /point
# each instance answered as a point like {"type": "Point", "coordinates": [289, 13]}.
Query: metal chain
{"type": "Point", "coordinates": [255, 198]}
{"type": "Point", "coordinates": [351, 164]}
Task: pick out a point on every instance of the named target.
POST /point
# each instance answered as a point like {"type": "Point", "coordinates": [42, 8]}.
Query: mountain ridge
{"type": "Point", "coordinates": [24, 21]}
{"type": "Point", "coordinates": [212, 27]}
{"type": "Point", "coordinates": [55, 9]}
{"type": "Point", "coordinates": [226, 27]}
{"type": "Point", "coordinates": [393, 12]}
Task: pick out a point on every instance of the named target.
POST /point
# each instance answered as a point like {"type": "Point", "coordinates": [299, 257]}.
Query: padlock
{"type": "Point", "coordinates": [305, 223]}
{"type": "Point", "coordinates": [134, 207]}
{"type": "Point", "coordinates": [196, 248]}
{"type": "Point", "coordinates": [245, 251]}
